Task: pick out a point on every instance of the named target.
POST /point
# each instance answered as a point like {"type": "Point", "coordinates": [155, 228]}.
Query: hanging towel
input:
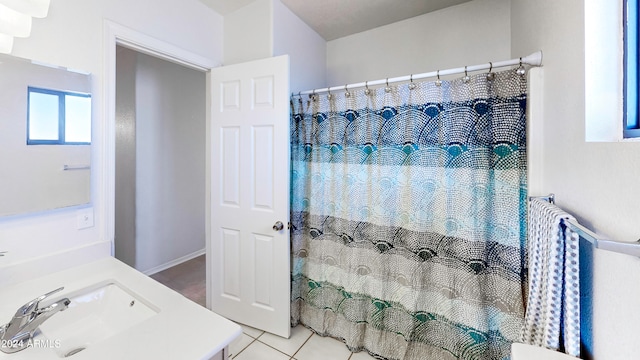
{"type": "Point", "coordinates": [552, 315]}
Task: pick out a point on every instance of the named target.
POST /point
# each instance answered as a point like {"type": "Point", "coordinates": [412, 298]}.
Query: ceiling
{"type": "Point", "coordinates": [333, 19]}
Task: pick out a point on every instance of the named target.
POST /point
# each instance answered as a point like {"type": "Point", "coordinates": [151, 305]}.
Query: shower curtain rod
{"type": "Point", "coordinates": [534, 59]}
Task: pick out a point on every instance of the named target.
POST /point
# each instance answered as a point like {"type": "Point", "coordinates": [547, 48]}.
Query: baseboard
{"type": "Point", "coordinates": [174, 262]}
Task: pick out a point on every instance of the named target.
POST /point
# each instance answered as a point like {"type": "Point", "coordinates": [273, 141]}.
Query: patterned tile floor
{"type": "Point", "coordinates": [189, 279]}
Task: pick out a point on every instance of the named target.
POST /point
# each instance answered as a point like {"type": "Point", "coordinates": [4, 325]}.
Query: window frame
{"type": "Point", "coordinates": [631, 69]}
{"type": "Point", "coordinates": [61, 116]}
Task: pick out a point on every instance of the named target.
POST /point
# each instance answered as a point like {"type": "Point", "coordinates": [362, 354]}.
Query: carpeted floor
{"type": "Point", "coordinates": [188, 278]}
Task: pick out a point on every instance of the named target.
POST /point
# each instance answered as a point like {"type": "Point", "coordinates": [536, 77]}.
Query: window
{"type": "Point", "coordinates": [58, 117]}
{"type": "Point", "coordinates": [631, 118]}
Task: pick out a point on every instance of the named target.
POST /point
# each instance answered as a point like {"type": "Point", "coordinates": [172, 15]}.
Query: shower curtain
{"type": "Point", "coordinates": [409, 217]}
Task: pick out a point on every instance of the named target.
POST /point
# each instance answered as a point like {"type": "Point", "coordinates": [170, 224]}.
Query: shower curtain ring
{"type": "Point", "coordinates": [411, 84]}
{"type": "Point", "coordinates": [346, 91]}
{"type": "Point", "coordinates": [329, 96]}
{"type": "Point", "coordinates": [521, 70]}
{"type": "Point", "coordinates": [438, 82]}
{"type": "Point", "coordinates": [387, 88]}
{"type": "Point", "coordinates": [491, 75]}
{"type": "Point", "coordinates": [366, 90]}
{"type": "Point", "coordinates": [466, 77]}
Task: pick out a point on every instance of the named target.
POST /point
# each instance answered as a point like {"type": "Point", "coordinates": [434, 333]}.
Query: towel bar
{"type": "Point", "coordinates": [76, 167]}
{"type": "Point", "coordinates": [598, 242]}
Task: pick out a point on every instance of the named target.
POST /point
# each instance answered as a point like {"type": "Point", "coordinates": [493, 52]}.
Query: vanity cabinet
{"type": "Point", "coordinates": [222, 355]}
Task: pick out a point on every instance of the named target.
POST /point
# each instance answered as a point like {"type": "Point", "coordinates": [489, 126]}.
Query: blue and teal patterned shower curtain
{"type": "Point", "coordinates": [409, 217]}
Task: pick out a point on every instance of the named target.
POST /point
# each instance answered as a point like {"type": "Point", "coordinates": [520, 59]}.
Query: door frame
{"type": "Point", "coordinates": [116, 34]}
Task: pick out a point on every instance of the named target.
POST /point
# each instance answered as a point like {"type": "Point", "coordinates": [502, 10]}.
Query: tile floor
{"type": "Point", "coordinates": [188, 279]}
{"type": "Point", "coordinates": [303, 344]}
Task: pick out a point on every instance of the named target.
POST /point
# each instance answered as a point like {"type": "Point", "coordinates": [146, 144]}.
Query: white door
{"type": "Point", "coordinates": [249, 144]}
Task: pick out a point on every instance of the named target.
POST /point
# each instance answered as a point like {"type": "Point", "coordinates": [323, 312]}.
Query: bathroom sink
{"type": "Point", "coordinates": [95, 314]}
{"type": "Point", "coordinates": [102, 320]}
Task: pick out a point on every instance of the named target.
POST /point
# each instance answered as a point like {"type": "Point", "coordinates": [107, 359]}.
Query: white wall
{"type": "Point", "coordinates": [467, 34]}
{"type": "Point", "coordinates": [248, 33]}
{"type": "Point", "coordinates": [306, 49]}
{"type": "Point", "coordinates": [125, 166]}
{"type": "Point", "coordinates": [268, 28]}
{"type": "Point", "coordinates": [170, 162]}
{"type": "Point", "coordinates": [604, 71]}
{"type": "Point", "coordinates": [598, 182]}
{"type": "Point", "coordinates": [72, 36]}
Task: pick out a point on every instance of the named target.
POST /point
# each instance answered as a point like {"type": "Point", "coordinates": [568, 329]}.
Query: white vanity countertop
{"type": "Point", "coordinates": [181, 329]}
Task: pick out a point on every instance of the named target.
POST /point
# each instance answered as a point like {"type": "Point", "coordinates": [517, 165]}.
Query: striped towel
{"type": "Point", "coordinates": [553, 306]}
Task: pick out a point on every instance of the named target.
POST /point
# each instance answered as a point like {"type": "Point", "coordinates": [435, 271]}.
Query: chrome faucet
{"type": "Point", "coordinates": [17, 333]}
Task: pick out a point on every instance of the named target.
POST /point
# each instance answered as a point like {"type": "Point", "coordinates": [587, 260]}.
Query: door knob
{"type": "Point", "coordinates": [278, 226]}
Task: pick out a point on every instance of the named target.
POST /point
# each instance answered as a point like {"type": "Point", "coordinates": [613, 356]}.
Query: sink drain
{"type": "Point", "coordinates": [74, 351]}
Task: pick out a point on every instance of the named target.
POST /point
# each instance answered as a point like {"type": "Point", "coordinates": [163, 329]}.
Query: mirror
{"type": "Point", "coordinates": [45, 137]}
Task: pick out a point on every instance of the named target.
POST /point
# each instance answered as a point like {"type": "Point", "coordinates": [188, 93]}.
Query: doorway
{"type": "Point", "coordinates": [160, 150]}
